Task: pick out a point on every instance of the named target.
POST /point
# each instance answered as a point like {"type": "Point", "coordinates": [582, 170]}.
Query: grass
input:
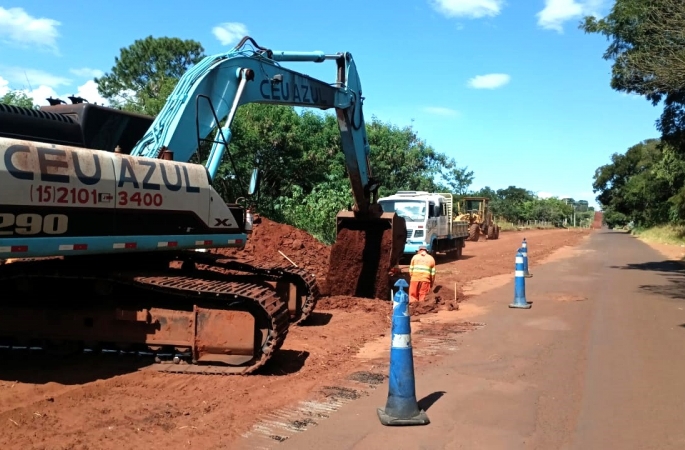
{"type": "Point", "coordinates": [508, 226]}
{"type": "Point", "coordinates": [662, 234]}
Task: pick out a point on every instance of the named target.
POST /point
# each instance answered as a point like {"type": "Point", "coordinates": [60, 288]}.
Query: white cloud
{"type": "Point", "coordinates": [87, 72]}
{"type": "Point", "coordinates": [40, 94]}
{"type": "Point", "coordinates": [32, 77]}
{"type": "Point", "coordinates": [441, 111]}
{"type": "Point", "coordinates": [229, 32]}
{"type": "Point", "coordinates": [41, 85]}
{"type": "Point", "coordinates": [17, 26]}
{"type": "Point", "coordinates": [473, 9]}
{"type": "Point", "coordinates": [4, 86]}
{"type": "Point", "coordinates": [489, 81]}
{"type": "Point", "coordinates": [556, 12]}
{"type": "Point", "coordinates": [89, 91]}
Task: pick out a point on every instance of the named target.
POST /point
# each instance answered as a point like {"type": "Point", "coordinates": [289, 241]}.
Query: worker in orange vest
{"type": "Point", "coordinates": [422, 275]}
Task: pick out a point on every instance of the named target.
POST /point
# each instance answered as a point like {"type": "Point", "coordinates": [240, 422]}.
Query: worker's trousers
{"type": "Point", "coordinates": [418, 290]}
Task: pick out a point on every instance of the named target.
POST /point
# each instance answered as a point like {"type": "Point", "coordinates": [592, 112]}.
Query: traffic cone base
{"type": "Point", "coordinates": [520, 305]}
{"type": "Point", "coordinates": [419, 419]}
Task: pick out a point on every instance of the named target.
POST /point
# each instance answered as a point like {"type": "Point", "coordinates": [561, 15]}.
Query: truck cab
{"type": "Point", "coordinates": [428, 217]}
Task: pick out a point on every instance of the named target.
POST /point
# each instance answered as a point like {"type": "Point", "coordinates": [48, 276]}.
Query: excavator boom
{"type": "Point", "coordinates": [214, 89]}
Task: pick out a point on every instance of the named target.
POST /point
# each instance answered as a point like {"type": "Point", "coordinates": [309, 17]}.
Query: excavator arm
{"type": "Point", "coordinates": [369, 242]}
{"type": "Point", "coordinates": [213, 89]}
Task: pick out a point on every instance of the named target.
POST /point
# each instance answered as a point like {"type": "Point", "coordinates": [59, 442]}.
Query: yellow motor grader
{"type": "Point", "coordinates": [476, 212]}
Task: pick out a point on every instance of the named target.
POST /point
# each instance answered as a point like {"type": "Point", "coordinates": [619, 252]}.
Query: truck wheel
{"type": "Point", "coordinates": [434, 250]}
{"type": "Point", "coordinates": [496, 231]}
{"type": "Point", "coordinates": [453, 254]}
{"type": "Point", "coordinates": [474, 232]}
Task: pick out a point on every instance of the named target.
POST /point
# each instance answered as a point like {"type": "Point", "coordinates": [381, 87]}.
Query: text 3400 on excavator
{"type": "Point", "coordinates": [101, 211]}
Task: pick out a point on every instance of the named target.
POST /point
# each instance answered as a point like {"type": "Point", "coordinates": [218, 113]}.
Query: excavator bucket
{"type": "Point", "coordinates": [367, 248]}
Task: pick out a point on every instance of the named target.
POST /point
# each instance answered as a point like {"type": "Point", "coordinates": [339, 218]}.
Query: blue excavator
{"type": "Point", "coordinates": [105, 224]}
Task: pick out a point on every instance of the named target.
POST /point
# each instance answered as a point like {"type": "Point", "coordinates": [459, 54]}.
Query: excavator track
{"type": "Point", "coordinates": [270, 303]}
{"type": "Point", "coordinates": [308, 291]}
{"type": "Point", "coordinates": [184, 308]}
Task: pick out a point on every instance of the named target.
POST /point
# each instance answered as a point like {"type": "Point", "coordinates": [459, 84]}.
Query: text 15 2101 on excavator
{"type": "Point", "coordinates": [104, 208]}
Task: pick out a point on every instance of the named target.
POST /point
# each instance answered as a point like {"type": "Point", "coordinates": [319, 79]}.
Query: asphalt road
{"type": "Point", "coordinates": [598, 362]}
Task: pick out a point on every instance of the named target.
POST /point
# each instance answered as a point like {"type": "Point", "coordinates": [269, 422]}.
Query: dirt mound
{"type": "Point", "coordinates": [347, 303]}
{"type": "Point", "coordinates": [441, 298]}
{"type": "Point", "coordinates": [269, 237]}
{"type": "Point", "coordinates": [598, 220]}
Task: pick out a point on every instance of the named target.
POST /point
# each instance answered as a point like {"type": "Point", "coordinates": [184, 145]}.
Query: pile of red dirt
{"type": "Point", "coordinates": [354, 281]}
{"type": "Point", "coordinates": [269, 238]}
{"type": "Point", "coordinates": [440, 298]}
{"type": "Point", "coordinates": [599, 218]}
{"type": "Point", "coordinates": [347, 303]}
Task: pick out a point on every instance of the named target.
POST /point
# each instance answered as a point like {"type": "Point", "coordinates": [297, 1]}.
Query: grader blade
{"type": "Point", "coordinates": [366, 249]}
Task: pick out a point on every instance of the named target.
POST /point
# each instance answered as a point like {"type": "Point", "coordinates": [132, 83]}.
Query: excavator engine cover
{"type": "Point", "coordinates": [365, 251]}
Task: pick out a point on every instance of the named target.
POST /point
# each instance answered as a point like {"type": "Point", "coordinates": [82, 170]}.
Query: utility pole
{"type": "Point", "coordinates": [574, 216]}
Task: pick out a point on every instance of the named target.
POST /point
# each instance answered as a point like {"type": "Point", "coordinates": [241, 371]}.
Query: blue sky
{"type": "Point", "coordinates": [511, 89]}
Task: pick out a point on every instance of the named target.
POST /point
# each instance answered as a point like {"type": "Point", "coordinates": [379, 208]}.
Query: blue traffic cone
{"type": "Point", "coordinates": [519, 285]}
{"type": "Point", "coordinates": [401, 407]}
{"type": "Point", "coordinates": [524, 247]}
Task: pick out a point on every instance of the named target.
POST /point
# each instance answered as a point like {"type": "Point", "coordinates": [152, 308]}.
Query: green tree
{"type": "Point", "coordinates": [290, 149]}
{"type": "Point", "coordinates": [512, 203]}
{"type": "Point", "coordinates": [647, 47]}
{"type": "Point", "coordinates": [615, 219]}
{"type": "Point", "coordinates": [17, 98]}
{"type": "Point", "coordinates": [145, 73]}
{"type": "Point", "coordinates": [457, 179]}
{"type": "Point", "coordinates": [315, 212]}
{"type": "Point", "coordinates": [637, 184]}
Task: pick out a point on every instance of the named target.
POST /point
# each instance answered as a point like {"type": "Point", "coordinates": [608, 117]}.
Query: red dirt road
{"type": "Point", "coordinates": [596, 363]}
{"type": "Point", "coordinates": [110, 404]}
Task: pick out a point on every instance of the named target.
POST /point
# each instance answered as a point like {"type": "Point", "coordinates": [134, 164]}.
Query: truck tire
{"type": "Point", "coordinates": [474, 232]}
{"type": "Point", "coordinates": [434, 249]}
{"type": "Point", "coordinates": [453, 255]}
{"type": "Point", "coordinates": [496, 231]}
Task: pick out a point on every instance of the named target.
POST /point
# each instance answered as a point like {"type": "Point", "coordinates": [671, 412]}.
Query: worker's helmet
{"type": "Point", "coordinates": [422, 247]}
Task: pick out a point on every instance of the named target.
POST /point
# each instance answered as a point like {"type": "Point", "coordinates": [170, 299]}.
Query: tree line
{"type": "Point", "coordinates": [303, 181]}
{"type": "Point", "coordinates": [645, 185]}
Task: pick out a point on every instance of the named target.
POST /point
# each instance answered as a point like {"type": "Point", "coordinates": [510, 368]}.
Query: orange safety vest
{"type": "Point", "coordinates": [422, 268]}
